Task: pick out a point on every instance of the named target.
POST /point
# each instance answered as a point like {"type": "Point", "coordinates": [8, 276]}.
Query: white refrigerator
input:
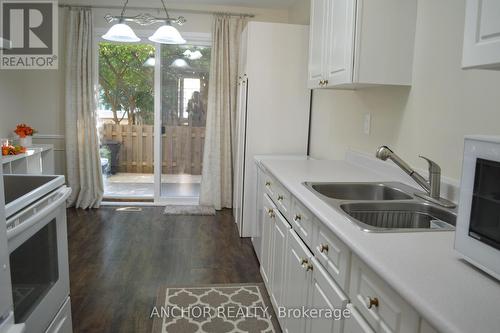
{"type": "Point", "coordinates": [273, 107]}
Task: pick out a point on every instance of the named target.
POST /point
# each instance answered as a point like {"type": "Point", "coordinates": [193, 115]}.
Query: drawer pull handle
{"type": "Point", "coordinates": [270, 211]}
{"type": "Point", "coordinates": [307, 266]}
{"type": "Point", "coordinates": [371, 302]}
{"type": "Point", "coordinates": [323, 248]}
{"type": "Point", "coordinates": [280, 197]}
{"type": "Point", "coordinates": [297, 218]}
{"type": "Point", "coordinates": [268, 183]}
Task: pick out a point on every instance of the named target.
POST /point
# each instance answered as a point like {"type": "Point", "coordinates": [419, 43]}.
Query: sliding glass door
{"type": "Point", "coordinates": [182, 73]}
{"type": "Point", "coordinates": [152, 114]}
{"type": "Point", "coordinates": [126, 119]}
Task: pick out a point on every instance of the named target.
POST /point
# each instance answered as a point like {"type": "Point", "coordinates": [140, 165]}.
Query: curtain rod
{"type": "Point", "coordinates": [191, 11]}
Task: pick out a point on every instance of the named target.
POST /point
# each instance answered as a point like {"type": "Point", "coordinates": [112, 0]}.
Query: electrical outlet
{"type": "Point", "coordinates": [367, 123]}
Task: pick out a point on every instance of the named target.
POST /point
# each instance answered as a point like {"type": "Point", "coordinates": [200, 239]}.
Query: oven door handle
{"type": "Point", "coordinates": [63, 195]}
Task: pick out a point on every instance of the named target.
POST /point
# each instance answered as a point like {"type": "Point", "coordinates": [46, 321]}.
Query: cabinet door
{"type": "Point", "coordinates": [317, 40]}
{"type": "Point", "coordinates": [340, 52]}
{"type": "Point", "coordinates": [482, 34]}
{"type": "Point", "coordinates": [378, 303]}
{"type": "Point", "coordinates": [325, 294]}
{"type": "Point", "coordinates": [267, 236]}
{"type": "Point", "coordinates": [297, 281]}
{"type": "Point", "coordinates": [279, 240]}
{"type": "Point", "coordinates": [259, 213]}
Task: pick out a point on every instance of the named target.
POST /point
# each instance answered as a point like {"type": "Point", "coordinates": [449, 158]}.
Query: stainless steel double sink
{"type": "Point", "coordinates": [384, 206]}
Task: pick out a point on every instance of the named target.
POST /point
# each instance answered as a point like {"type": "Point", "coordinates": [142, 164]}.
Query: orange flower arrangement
{"type": "Point", "coordinates": [24, 130]}
{"type": "Point", "coordinates": [12, 150]}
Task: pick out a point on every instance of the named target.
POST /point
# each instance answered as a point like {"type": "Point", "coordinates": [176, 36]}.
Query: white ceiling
{"type": "Point", "coordinates": [277, 4]}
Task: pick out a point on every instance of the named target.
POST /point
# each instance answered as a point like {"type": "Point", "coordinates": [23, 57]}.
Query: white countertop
{"type": "Point", "coordinates": [421, 266]}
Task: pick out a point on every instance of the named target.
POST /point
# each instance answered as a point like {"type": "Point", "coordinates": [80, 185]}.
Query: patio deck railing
{"type": "Point", "coordinates": [182, 148]}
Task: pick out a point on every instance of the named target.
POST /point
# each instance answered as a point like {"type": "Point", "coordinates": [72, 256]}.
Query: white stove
{"type": "Point", "coordinates": [37, 249]}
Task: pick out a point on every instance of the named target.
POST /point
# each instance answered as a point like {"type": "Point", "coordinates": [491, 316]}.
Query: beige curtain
{"type": "Point", "coordinates": [217, 174]}
{"type": "Point", "coordinates": [82, 142]}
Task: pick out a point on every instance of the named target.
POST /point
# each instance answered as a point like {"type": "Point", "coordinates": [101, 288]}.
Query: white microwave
{"type": "Point", "coordinates": [477, 235]}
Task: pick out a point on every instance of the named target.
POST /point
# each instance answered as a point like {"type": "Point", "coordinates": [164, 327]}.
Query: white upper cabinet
{"type": "Point", "coordinates": [340, 50]}
{"type": "Point", "coordinates": [482, 34]}
{"type": "Point", "coordinates": [317, 36]}
{"type": "Point", "coordinates": [360, 43]}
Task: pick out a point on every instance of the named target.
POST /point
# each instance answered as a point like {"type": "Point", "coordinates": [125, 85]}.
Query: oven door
{"type": "Point", "coordinates": [38, 257]}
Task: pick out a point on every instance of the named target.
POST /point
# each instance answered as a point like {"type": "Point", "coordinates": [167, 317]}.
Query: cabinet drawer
{"type": "Point", "coordinates": [283, 199]}
{"type": "Point", "coordinates": [333, 254]}
{"type": "Point", "coordinates": [268, 184]}
{"type": "Point", "coordinates": [381, 306]}
{"type": "Point", "coordinates": [302, 221]}
{"type": "Point", "coordinates": [356, 323]}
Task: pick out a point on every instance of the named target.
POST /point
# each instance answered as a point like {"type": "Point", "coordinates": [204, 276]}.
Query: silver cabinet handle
{"type": "Point", "coordinates": [280, 197]}
{"type": "Point", "coordinates": [323, 248]}
{"type": "Point", "coordinates": [297, 217]}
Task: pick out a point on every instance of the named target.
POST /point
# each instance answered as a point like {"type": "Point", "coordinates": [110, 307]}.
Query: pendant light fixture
{"type": "Point", "coordinates": [166, 34]}
{"type": "Point", "coordinates": [121, 32]}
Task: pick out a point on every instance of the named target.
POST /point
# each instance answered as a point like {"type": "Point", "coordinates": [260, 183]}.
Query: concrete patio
{"type": "Point", "coordinates": [141, 185]}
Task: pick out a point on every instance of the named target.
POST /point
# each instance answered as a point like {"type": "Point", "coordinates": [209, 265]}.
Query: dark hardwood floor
{"type": "Point", "coordinates": [119, 259]}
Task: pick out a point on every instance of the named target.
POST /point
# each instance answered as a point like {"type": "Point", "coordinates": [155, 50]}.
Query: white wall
{"type": "Point", "coordinates": [36, 97]}
{"type": "Point", "coordinates": [443, 104]}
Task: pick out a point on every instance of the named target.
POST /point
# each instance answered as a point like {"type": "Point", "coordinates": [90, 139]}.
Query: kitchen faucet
{"type": "Point", "coordinates": [431, 187]}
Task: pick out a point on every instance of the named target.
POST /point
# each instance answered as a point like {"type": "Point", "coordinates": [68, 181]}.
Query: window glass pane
{"type": "Point", "coordinates": [126, 119]}
{"type": "Point", "coordinates": [184, 88]}
{"type": "Point", "coordinates": [485, 210]}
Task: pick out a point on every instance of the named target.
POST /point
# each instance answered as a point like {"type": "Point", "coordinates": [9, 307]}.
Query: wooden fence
{"type": "Point", "coordinates": [182, 148]}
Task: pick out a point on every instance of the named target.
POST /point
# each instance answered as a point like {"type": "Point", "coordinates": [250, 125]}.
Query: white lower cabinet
{"type": "Point", "coordinates": [297, 281]}
{"type": "Point", "coordinates": [325, 294]}
{"type": "Point", "coordinates": [267, 245]}
{"type": "Point", "coordinates": [279, 249]}
{"type": "Point", "coordinates": [305, 266]}
{"type": "Point", "coordinates": [381, 306]}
